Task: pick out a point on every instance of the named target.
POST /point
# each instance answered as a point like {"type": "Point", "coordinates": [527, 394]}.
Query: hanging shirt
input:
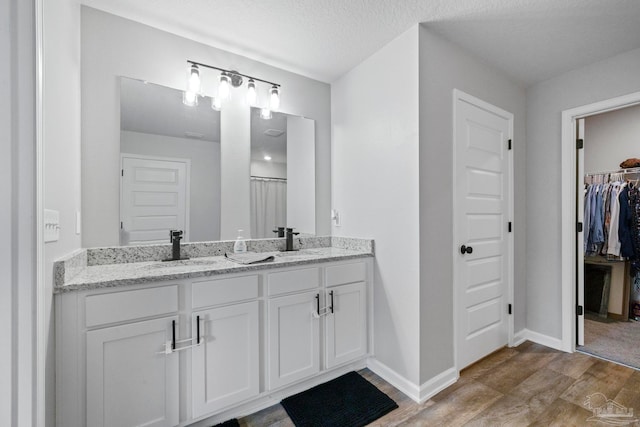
{"type": "Point", "coordinates": [587, 216]}
{"type": "Point", "coordinates": [613, 245]}
{"type": "Point", "coordinates": [596, 236]}
{"type": "Point", "coordinates": [625, 225]}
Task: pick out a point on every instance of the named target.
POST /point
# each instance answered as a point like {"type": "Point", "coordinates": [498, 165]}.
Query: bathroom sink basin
{"type": "Point", "coordinates": [298, 253]}
{"type": "Point", "coordinates": [188, 262]}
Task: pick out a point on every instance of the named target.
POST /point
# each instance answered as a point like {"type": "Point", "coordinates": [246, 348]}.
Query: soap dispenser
{"type": "Point", "coordinates": [240, 246]}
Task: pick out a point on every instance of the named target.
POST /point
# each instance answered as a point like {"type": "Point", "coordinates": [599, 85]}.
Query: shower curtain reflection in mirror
{"type": "Point", "coordinates": [268, 206]}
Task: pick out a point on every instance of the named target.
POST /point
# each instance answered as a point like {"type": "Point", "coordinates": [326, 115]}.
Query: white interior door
{"type": "Point", "coordinates": [580, 236]}
{"type": "Point", "coordinates": [482, 176]}
{"type": "Point", "coordinates": [154, 198]}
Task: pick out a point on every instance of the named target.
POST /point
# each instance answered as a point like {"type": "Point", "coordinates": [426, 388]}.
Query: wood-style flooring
{"type": "Point", "coordinates": [529, 385]}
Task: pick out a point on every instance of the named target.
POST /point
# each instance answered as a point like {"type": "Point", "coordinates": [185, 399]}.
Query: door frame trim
{"type": "Point", "coordinates": [459, 95]}
{"type": "Point", "coordinates": [568, 227]}
{"type": "Point", "coordinates": [187, 162]}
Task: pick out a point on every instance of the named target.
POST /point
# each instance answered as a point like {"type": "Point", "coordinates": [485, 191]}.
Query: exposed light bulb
{"type": "Point", "coordinates": [274, 102]}
{"type": "Point", "coordinates": [252, 95]}
{"type": "Point", "coordinates": [265, 113]}
{"type": "Point", "coordinates": [267, 157]}
{"type": "Point", "coordinates": [190, 98]}
{"type": "Point", "coordinates": [224, 87]}
{"type": "Point", "coordinates": [216, 104]}
{"type": "Point", "coordinates": [194, 79]}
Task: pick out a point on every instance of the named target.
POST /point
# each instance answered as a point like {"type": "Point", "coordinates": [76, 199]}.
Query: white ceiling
{"type": "Point", "coordinates": [158, 110]}
{"type": "Point", "coordinates": [531, 40]}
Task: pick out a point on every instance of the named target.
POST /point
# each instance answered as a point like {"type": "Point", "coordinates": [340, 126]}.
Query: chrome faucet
{"type": "Point", "coordinates": [174, 237]}
{"type": "Point", "coordinates": [289, 242]}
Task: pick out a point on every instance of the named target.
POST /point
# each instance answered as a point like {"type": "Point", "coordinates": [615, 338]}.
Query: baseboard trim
{"type": "Point", "coordinates": [438, 383]}
{"type": "Point", "coordinates": [418, 394]}
{"type": "Point", "coordinates": [393, 378]}
{"type": "Point", "coordinates": [542, 339]}
{"type": "Point", "coordinates": [519, 337]}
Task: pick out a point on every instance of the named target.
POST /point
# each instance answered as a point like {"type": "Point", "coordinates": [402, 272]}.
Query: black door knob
{"type": "Point", "coordinates": [466, 249]}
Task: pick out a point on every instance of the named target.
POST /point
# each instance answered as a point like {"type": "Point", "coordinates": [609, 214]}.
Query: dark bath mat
{"type": "Point", "coordinates": [349, 400]}
{"type": "Point", "coordinates": [230, 423]}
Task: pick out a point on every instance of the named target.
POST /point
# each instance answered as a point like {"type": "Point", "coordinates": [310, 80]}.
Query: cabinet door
{"type": "Point", "coordinates": [130, 382]}
{"type": "Point", "coordinates": [346, 327]}
{"type": "Point", "coordinates": [225, 367]}
{"type": "Point", "coordinates": [293, 339]}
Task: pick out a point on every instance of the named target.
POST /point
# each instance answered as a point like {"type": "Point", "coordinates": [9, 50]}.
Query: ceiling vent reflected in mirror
{"type": "Point", "coordinates": [273, 132]}
{"type": "Point", "coordinates": [194, 135]}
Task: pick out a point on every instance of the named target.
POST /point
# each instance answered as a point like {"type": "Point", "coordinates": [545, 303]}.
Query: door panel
{"type": "Point", "coordinates": [225, 366]}
{"type": "Point", "coordinates": [153, 199]}
{"type": "Point", "coordinates": [130, 381]}
{"type": "Point", "coordinates": [482, 176]}
{"type": "Point", "coordinates": [346, 324]}
{"type": "Point", "coordinates": [294, 335]}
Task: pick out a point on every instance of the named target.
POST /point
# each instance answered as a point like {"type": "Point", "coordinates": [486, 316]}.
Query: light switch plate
{"type": "Point", "coordinates": [335, 217]}
{"type": "Point", "coordinates": [78, 222]}
{"type": "Point", "coordinates": [51, 225]}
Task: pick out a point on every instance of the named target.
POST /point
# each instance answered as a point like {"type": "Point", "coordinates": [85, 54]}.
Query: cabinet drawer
{"type": "Point", "coordinates": [223, 291]}
{"type": "Point", "coordinates": [293, 281]}
{"type": "Point", "coordinates": [130, 305]}
{"type": "Point", "coordinates": [346, 273]}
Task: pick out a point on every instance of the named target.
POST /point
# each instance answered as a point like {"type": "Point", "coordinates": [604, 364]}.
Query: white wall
{"type": "Point", "coordinates": [18, 213]}
{"type": "Point", "coordinates": [269, 169]}
{"type": "Point", "coordinates": [301, 176]}
{"type": "Point", "coordinates": [8, 175]}
{"type": "Point", "coordinates": [61, 140]}
{"type": "Point", "coordinates": [443, 67]}
{"type": "Point", "coordinates": [611, 138]}
{"type": "Point", "coordinates": [603, 80]}
{"type": "Point", "coordinates": [204, 209]}
{"type": "Point", "coordinates": [112, 47]}
{"type": "Point", "coordinates": [375, 188]}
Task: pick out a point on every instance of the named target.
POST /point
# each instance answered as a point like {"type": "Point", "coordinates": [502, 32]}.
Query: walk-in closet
{"type": "Point", "coordinates": [611, 235]}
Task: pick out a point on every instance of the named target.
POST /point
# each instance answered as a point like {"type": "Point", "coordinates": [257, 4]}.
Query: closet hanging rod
{"type": "Point", "coordinates": [268, 178]}
{"type": "Point", "coordinates": [619, 171]}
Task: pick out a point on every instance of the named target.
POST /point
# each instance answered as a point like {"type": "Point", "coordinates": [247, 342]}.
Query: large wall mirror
{"type": "Point", "coordinates": [171, 177]}
{"type": "Point", "coordinates": [282, 173]}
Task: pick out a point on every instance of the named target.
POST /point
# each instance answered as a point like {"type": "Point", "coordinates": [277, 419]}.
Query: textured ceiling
{"type": "Point", "coordinates": [531, 40]}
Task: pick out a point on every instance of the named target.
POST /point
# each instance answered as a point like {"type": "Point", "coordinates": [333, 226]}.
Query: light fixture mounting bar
{"type": "Point", "coordinates": [231, 72]}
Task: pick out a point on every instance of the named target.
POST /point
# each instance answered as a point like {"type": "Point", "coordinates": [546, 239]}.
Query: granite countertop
{"type": "Point", "coordinates": [124, 274]}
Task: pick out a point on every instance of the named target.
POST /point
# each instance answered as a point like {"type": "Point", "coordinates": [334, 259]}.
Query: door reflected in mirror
{"type": "Point", "coordinates": [282, 174]}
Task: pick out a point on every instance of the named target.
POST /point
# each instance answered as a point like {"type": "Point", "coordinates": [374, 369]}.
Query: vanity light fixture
{"type": "Point", "coordinates": [224, 87]}
{"type": "Point", "coordinates": [227, 80]}
{"type": "Point", "coordinates": [194, 79]}
{"type": "Point", "coordinates": [274, 101]}
{"type": "Point", "coordinates": [265, 113]}
{"type": "Point", "coordinates": [216, 103]}
{"type": "Point", "coordinates": [252, 94]}
{"type": "Point", "coordinates": [190, 98]}
{"type": "Point", "coordinates": [267, 157]}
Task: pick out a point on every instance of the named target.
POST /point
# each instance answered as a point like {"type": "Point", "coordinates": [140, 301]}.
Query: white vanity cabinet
{"type": "Point", "coordinates": [173, 353]}
{"type": "Point", "coordinates": [130, 381]}
{"type": "Point", "coordinates": [293, 332]}
{"type": "Point", "coordinates": [346, 318]}
{"type": "Point", "coordinates": [225, 364]}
